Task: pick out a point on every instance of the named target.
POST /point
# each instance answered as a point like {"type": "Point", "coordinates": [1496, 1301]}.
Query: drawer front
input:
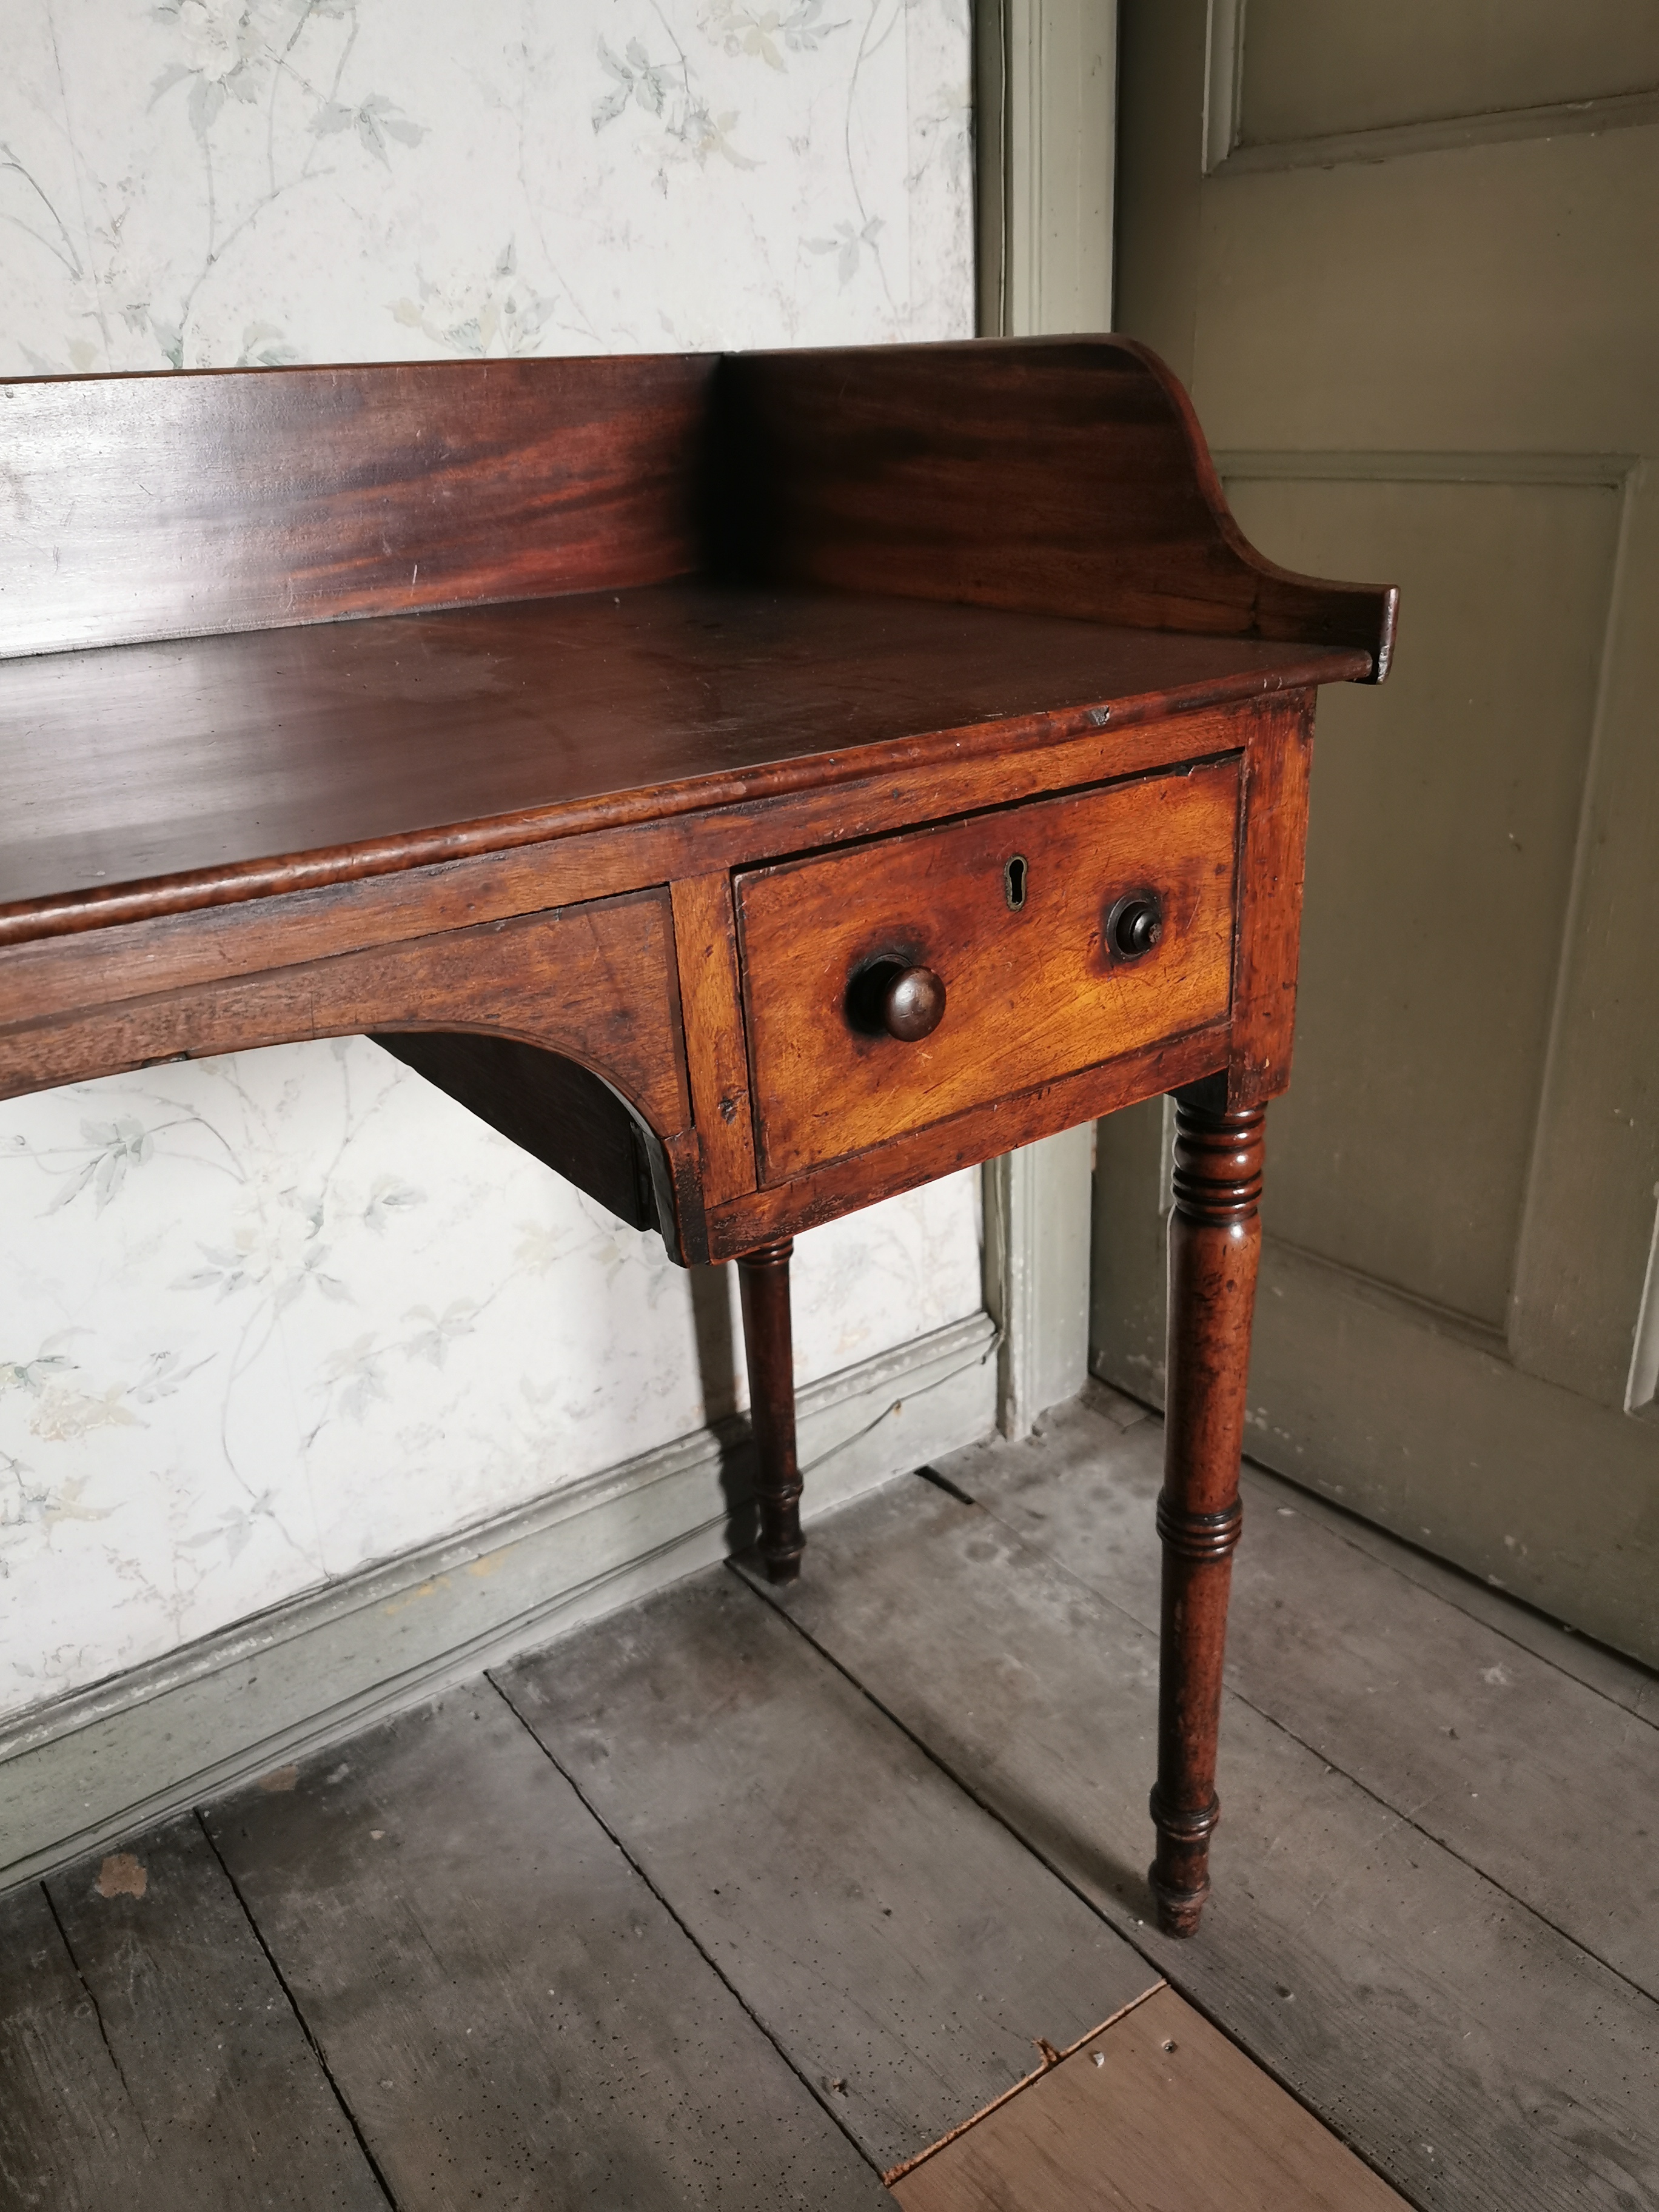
{"type": "Point", "coordinates": [1027, 917]}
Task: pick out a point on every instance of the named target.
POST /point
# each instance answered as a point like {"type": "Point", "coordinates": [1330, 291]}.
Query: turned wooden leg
{"type": "Point", "coordinates": [1215, 1237]}
{"type": "Point", "coordinates": [764, 1283]}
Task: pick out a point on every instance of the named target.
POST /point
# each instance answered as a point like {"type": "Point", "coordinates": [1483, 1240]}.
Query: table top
{"type": "Point", "coordinates": [127, 764]}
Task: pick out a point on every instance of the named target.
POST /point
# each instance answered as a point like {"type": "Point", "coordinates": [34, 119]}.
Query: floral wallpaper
{"type": "Point", "coordinates": [203, 182]}
{"type": "Point", "coordinates": [265, 1319]}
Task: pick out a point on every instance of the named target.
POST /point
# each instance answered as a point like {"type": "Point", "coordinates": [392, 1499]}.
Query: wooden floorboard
{"type": "Point", "coordinates": [1548, 1786]}
{"type": "Point", "coordinates": [512, 2015]}
{"type": "Point", "coordinates": [1623, 1680]}
{"type": "Point", "coordinates": [148, 2055]}
{"type": "Point", "coordinates": [1471, 2052]}
{"type": "Point", "coordinates": [1161, 2113]}
{"type": "Point", "coordinates": [904, 1949]}
{"type": "Point", "coordinates": [1436, 1920]}
{"type": "Point", "coordinates": [68, 2131]}
{"type": "Point", "coordinates": [1068, 1431]}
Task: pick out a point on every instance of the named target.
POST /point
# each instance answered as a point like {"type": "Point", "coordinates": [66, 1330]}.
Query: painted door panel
{"type": "Point", "coordinates": [1416, 308]}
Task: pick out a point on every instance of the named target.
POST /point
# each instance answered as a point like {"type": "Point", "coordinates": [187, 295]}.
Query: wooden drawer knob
{"type": "Point", "coordinates": [913, 1005]}
{"type": "Point", "coordinates": [1134, 924]}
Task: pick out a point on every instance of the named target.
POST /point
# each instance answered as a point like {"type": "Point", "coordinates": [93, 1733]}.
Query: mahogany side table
{"type": "Point", "coordinates": [756, 784]}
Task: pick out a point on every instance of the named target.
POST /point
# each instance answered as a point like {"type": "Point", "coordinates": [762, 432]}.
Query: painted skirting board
{"type": "Point", "coordinates": [95, 1765]}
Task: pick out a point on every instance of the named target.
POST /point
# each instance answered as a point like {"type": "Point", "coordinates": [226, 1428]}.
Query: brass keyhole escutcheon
{"type": "Point", "coordinates": [1015, 874]}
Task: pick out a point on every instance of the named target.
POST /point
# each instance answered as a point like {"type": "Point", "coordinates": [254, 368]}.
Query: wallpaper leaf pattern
{"type": "Point", "coordinates": [265, 1319]}
{"type": "Point", "coordinates": [204, 181]}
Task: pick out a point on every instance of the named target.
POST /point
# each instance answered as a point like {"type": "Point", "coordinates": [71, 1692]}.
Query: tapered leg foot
{"type": "Point", "coordinates": [763, 1285]}
{"type": "Point", "coordinates": [1214, 1242]}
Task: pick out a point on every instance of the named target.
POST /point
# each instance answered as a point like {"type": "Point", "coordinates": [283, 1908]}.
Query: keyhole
{"type": "Point", "coordinates": [1013, 883]}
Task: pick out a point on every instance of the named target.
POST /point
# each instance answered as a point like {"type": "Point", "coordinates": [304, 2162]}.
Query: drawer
{"type": "Point", "coordinates": [1064, 933]}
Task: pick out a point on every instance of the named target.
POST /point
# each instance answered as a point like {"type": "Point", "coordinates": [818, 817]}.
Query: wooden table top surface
{"type": "Point", "coordinates": [126, 764]}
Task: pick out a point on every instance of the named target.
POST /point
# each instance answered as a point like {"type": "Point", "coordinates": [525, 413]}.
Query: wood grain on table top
{"type": "Point", "coordinates": [128, 764]}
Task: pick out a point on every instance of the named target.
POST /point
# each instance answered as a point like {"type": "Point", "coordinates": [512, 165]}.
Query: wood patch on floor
{"type": "Point", "coordinates": [1159, 2111]}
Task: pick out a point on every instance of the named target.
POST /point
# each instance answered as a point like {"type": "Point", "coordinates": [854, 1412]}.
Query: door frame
{"type": "Point", "coordinates": [1045, 135]}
